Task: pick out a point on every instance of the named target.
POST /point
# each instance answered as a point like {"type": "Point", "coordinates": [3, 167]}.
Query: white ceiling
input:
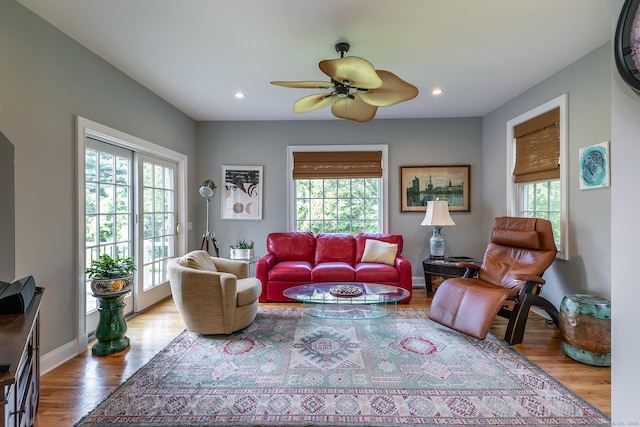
{"type": "Point", "coordinates": [197, 53]}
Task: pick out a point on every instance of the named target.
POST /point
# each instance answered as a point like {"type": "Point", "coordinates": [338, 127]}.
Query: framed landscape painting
{"type": "Point", "coordinates": [242, 192]}
{"type": "Point", "coordinates": [420, 184]}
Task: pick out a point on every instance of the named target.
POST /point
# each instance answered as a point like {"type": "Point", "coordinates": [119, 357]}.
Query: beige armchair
{"type": "Point", "coordinates": [213, 295]}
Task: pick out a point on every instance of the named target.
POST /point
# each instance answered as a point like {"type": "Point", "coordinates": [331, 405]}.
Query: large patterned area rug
{"type": "Point", "coordinates": [287, 369]}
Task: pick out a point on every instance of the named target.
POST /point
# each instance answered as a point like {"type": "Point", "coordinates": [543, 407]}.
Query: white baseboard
{"type": "Point", "coordinates": [57, 357]}
{"type": "Point", "coordinates": [418, 282]}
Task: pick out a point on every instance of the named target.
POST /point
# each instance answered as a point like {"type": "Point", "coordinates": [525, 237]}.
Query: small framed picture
{"type": "Point", "coordinates": [594, 166]}
{"type": "Point", "coordinates": [421, 184]}
{"type": "Point", "coordinates": [242, 192]}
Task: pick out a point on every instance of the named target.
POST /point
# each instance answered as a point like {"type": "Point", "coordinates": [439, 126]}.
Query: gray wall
{"type": "Point", "coordinates": [587, 83]}
{"type": "Point", "coordinates": [46, 79]}
{"type": "Point", "coordinates": [411, 142]}
{"type": "Point", "coordinates": [625, 235]}
{"type": "Point", "coordinates": [7, 211]}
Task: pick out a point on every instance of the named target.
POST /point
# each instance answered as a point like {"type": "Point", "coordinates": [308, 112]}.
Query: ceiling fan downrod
{"type": "Point", "coordinates": [342, 48]}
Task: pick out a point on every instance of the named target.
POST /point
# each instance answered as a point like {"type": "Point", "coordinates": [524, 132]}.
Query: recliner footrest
{"type": "Point", "coordinates": [467, 308]}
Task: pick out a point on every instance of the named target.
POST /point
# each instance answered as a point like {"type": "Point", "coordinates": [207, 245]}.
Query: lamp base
{"type": "Point", "coordinates": [436, 244]}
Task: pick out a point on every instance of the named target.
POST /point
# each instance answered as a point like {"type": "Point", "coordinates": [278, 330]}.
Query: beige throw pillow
{"type": "Point", "coordinates": [198, 260]}
{"type": "Point", "coordinates": [378, 251]}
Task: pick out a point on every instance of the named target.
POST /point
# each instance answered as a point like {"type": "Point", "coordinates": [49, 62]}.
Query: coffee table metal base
{"type": "Point", "coordinates": [347, 311]}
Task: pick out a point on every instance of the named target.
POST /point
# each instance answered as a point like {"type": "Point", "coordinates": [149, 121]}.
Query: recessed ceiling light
{"type": "Point", "coordinates": [239, 95]}
{"type": "Point", "coordinates": [437, 91]}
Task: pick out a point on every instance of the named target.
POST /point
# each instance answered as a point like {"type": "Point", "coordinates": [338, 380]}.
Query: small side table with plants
{"type": "Point", "coordinates": [111, 281]}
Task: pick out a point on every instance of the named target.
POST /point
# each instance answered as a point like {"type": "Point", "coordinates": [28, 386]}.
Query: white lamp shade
{"type": "Point", "coordinates": [437, 214]}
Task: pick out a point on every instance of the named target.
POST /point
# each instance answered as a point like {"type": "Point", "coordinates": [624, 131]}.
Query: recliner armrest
{"type": "Point", "coordinates": [472, 269]}
{"type": "Point", "coordinates": [530, 278]}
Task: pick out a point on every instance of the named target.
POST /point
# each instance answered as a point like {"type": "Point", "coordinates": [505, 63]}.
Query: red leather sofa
{"type": "Point", "coordinates": [297, 258]}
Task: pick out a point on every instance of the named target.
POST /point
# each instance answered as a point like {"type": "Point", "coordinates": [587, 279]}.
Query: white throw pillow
{"type": "Point", "coordinates": [381, 252]}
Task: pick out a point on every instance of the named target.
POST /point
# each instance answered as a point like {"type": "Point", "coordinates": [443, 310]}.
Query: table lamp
{"type": "Point", "coordinates": [437, 216]}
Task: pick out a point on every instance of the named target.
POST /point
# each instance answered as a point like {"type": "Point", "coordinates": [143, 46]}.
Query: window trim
{"type": "Point", "coordinates": [87, 128]}
{"type": "Point", "coordinates": [384, 197]}
{"type": "Point", "coordinates": [512, 188]}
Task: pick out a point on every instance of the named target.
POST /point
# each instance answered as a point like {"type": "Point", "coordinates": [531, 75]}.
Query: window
{"type": "Point", "coordinates": [542, 200]}
{"type": "Point", "coordinates": [337, 205]}
{"type": "Point", "coordinates": [337, 189]}
{"type": "Point", "coordinates": [536, 181]}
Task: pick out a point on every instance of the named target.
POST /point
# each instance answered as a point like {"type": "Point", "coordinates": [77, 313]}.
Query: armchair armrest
{"type": "Point", "coordinates": [240, 269]}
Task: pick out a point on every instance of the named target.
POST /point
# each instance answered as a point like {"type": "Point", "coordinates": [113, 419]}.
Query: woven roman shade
{"type": "Point", "coordinates": [337, 164]}
{"type": "Point", "coordinates": [538, 148]}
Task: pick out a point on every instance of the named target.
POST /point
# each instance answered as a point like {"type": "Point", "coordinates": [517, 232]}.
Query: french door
{"type": "Point", "coordinates": [130, 211]}
{"type": "Point", "coordinates": [157, 229]}
{"type": "Point", "coordinates": [109, 213]}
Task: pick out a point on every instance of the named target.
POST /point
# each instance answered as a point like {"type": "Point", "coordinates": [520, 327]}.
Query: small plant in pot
{"type": "Point", "coordinates": [111, 276]}
{"type": "Point", "coordinates": [242, 250]}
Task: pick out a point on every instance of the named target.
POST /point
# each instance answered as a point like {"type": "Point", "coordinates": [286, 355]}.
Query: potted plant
{"type": "Point", "coordinates": [242, 250]}
{"type": "Point", "coordinates": [111, 276]}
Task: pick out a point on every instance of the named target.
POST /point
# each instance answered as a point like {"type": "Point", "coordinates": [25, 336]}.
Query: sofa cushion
{"type": "Point", "coordinates": [380, 252]}
{"type": "Point", "coordinates": [335, 247]}
{"type": "Point", "coordinates": [361, 241]}
{"type": "Point", "coordinates": [292, 246]}
{"type": "Point", "coordinates": [333, 272]}
{"type": "Point", "coordinates": [376, 273]}
{"type": "Point", "coordinates": [291, 271]}
{"type": "Point", "coordinates": [199, 260]}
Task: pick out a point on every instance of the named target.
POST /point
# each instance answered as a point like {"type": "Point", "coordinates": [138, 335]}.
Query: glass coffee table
{"type": "Point", "coordinates": [347, 300]}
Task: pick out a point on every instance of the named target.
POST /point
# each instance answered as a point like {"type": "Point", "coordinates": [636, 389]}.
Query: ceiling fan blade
{"type": "Point", "coordinates": [311, 84]}
{"type": "Point", "coordinates": [352, 71]}
{"type": "Point", "coordinates": [313, 102]}
{"type": "Point", "coordinates": [392, 91]}
{"type": "Point", "coordinates": [354, 109]}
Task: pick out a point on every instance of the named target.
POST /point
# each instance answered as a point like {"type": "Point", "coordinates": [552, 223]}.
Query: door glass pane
{"type": "Point", "coordinates": [108, 206]}
{"type": "Point", "coordinates": [158, 221]}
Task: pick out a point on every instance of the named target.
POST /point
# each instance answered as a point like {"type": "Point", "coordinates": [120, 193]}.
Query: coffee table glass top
{"type": "Point", "coordinates": [320, 293]}
{"type": "Point", "coordinates": [363, 300]}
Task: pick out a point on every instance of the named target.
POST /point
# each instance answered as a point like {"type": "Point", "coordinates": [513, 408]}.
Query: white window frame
{"type": "Point", "coordinates": [513, 206]}
{"type": "Point", "coordinates": [383, 195]}
{"type": "Point", "coordinates": [87, 128]}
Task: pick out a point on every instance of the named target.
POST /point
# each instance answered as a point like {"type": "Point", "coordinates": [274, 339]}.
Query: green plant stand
{"type": "Point", "coordinates": [112, 326]}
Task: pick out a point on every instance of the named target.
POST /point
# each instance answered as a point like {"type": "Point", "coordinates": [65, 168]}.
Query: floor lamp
{"type": "Point", "coordinates": [207, 190]}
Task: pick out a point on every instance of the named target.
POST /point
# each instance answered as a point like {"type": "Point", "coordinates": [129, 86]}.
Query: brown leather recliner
{"type": "Point", "coordinates": [521, 249]}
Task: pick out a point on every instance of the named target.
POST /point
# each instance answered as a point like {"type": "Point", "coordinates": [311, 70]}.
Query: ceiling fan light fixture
{"type": "Point", "coordinates": [357, 88]}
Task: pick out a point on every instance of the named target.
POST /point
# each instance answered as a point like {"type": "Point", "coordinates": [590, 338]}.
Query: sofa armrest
{"type": "Point", "coordinates": [403, 265]}
{"type": "Point", "coordinates": [263, 266]}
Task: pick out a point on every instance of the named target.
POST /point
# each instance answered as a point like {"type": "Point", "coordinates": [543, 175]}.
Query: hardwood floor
{"type": "Point", "coordinates": [72, 390]}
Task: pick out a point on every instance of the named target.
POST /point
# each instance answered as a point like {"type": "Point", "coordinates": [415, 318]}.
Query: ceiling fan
{"type": "Point", "coordinates": [357, 89]}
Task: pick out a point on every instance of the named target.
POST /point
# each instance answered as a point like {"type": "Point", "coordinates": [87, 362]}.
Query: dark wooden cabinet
{"type": "Point", "coordinates": [20, 348]}
{"type": "Point", "coordinates": [437, 271]}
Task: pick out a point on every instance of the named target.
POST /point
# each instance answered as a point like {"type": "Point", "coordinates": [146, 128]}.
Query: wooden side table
{"type": "Point", "coordinates": [437, 271]}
